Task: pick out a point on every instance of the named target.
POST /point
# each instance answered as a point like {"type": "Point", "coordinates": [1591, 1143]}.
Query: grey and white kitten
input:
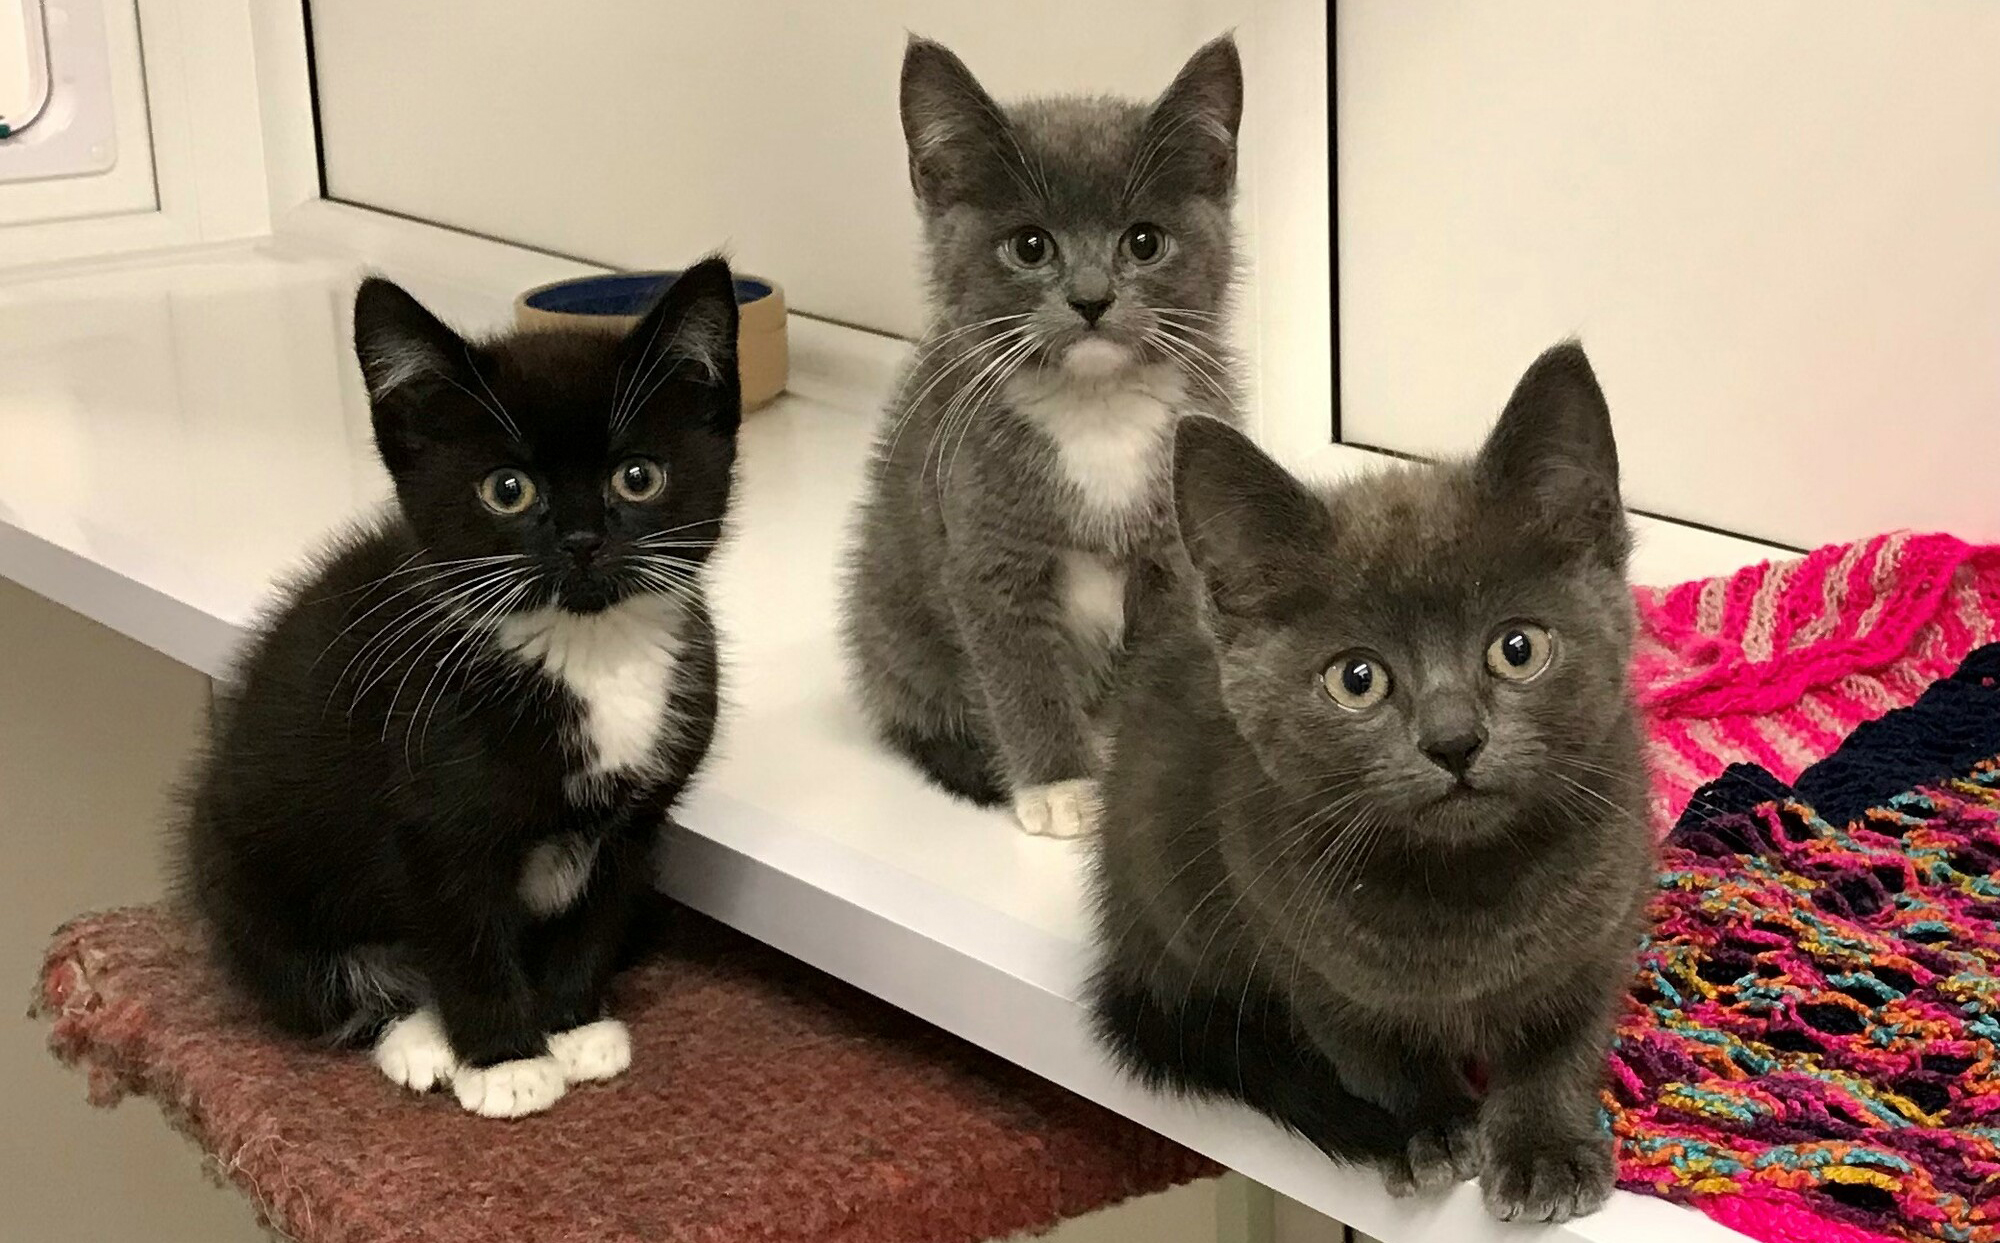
{"type": "Point", "coordinates": [1080, 257]}
{"type": "Point", "coordinates": [1374, 856]}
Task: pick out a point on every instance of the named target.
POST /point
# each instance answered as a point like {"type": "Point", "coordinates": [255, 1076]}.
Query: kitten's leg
{"type": "Point", "coordinates": [415, 1053]}
{"type": "Point", "coordinates": [1004, 603]}
{"type": "Point", "coordinates": [468, 942]}
{"type": "Point", "coordinates": [1442, 1152]}
{"type": "Point", "coordinates": [1155, 597]}
{"type": "Point", "coordinates": [1444, 1135]}
{"type": "Point", "coordinates": [910, 670]}
{"type": "Point", "coordinates": [1431, 1098]}
{"type": "Point", "coordinates": [594, 1051]}
{"type": "Point", "coordinates": [952, 759]}
{"type": "Point", "coordinates": [579, 952]}
{"type": "Point", "coordinates": [1058, 809]}
{"type": "Point", "coordinates": [1544, 1153]}
{"type": "Point", "coordinates": [1240, 1045]}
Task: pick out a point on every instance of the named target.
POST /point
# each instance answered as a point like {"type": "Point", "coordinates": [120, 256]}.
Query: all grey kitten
{"type": "Point", "coordinates": [1080, 258]}
{"type": "Point", "coordinates": [1374, 853]}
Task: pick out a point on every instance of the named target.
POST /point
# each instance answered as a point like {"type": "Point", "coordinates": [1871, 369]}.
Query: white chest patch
{"type": "Point", "coordinates": [555, 873]}
{"type": "Point", "coordinates": [620, 666]}
{"type": "Point", "coordinates": [1093, 598]}
{"type": "Point", "coordinates": [1109, 434]}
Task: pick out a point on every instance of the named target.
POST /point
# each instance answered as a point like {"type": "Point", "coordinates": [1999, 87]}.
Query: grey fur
{"type": "Point", "coordinates": [975, 524]}
{"type": "Point", "coordinates": [1292, 911]}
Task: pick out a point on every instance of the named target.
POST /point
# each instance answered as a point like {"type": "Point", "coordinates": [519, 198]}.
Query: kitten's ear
{"type": "Point", "coordinates": [690, 333]}
{"type": "Point", "coordinates": [407, 355]}
{"type": "Point", "coordinates": [1250, 529]}
{"type": "Point", "coordinates": [949, 122]}
{"type": "Point", "coordinates": [402, 346]}
{"type": "Point", "coordinates": [1554, 450]}
{"type": "Point", "coordinates": [1197, 117]}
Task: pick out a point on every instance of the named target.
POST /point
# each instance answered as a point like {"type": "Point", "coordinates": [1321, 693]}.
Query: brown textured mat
{"type": "Point", "coordinates": [766, 1101]}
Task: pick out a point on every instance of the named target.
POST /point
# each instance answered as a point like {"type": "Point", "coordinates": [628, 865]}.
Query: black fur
{"type": "Point", "coordinates": [382, 767]}
{"type": "Point", "coordinates": [955, 763]}
{"type": "Point", "coordinates": [1243, 1046]}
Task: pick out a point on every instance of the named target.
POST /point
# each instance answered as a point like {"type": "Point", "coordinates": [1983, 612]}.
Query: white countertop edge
{"type": "Point", "coordinates": [989, 978]}
{"type": "Point", "coordinates": [166, 624]}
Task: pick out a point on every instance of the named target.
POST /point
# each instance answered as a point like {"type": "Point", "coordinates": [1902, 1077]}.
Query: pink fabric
{"type": "Point", "coordinates": [1776, 664]}
{"type": "Point", "coordinates": [1778, 1221]}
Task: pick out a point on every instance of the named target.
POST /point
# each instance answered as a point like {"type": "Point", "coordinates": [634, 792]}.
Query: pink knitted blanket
{"type": "Point", "coordinates": [1776, 664]}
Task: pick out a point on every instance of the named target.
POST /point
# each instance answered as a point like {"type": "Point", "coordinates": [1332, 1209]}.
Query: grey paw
{"type": "Point", "coordinates": [1548, 1182]}
{"type": "Point", "coordinates": [1436, 1158]}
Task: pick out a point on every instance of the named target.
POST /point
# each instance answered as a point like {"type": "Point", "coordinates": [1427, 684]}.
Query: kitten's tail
{"type": "Point", "coordinates": [341, 994]}
{"type": "Point", "coordinates": [343, 998]}
{"type": "Point", "coordinates": [1241, 1046]}
{"type": "Point", "coordinates": [954, 761]}
{"type": "Point", "coordinates": [378, 984]}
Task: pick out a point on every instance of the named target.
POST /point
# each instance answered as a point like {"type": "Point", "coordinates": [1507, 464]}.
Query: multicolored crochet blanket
{"type": "Point", "coordinates": [1775, 665]}
{"type": "Point", "coordinates": [1812, 1052]}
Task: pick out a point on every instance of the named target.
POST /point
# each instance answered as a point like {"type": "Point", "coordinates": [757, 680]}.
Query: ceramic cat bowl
{"type": "Point", "coordinates": [614, 302]}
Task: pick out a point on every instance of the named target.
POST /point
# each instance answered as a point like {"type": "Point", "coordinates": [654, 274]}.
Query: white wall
{"type": "Point", "coordinates": [1775, 224]}
{"type": "Point", "coordinates": [94, 732]}
{"type": "Point", "coordinates": [642, 135]}
{"type": "Point", "coordinates": [1286, 314]}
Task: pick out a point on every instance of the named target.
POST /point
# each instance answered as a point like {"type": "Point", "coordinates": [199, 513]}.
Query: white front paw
{"type": "Point", "coordinates": [510, 1089]}
{"type": "Point", "coordinates": [1059, 809]}
{"type": "Point", "coordinates": [593, 1051]}
{"type": "Point", "coordinates": [414, 1051]}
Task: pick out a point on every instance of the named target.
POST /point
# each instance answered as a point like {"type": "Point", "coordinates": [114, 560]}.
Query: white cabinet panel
{"type": "Point", "coordinates": [77, 141]}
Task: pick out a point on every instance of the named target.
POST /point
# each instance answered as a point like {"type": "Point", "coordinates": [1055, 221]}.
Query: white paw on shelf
{"type": "Point", "coordinates": [593, 1051]}
{"type": "Point", "coordinates": [415, 1053]}
{"type": "Point", "coordinates": [510, 1089]}
{"type": "Point", "coordinates": [1059, 809]}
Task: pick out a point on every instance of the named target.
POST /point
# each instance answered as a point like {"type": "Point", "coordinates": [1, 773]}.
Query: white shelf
{"type": "Point", "coordinates": [176, 430]}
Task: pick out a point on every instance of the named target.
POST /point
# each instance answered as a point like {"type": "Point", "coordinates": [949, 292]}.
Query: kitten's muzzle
{"type": "Point", "coordinates": [1091, 309]}
{"type": "Point", "coordinates": [584, 585]}
{"type": "Point", "coordinates": [583, 546]}
{"type": "Point", "coordinates": [1450, 733]}
{"type": "Point", "coordinates": [1455, 752]}
{"type": "Point", "coordinates": [586, 593]}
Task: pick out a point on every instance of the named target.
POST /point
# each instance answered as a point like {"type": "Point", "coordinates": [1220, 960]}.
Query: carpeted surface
{"type": "Point", "coordinates": [1810, 1055]}
{"type": "Point", "coordinates": [765, 1102]}
{"type": "Point", "coordinates": [1776, 664]}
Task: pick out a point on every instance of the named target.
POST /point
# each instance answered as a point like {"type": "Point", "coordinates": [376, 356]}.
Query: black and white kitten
{"type": "Point", "coordinates": [1374, 851]}
{"type": "Point", "coordinates": [430, 800]}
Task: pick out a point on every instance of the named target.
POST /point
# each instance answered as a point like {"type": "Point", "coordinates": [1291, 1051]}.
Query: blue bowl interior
{"type": "Point", "coordinates": [623, 294]}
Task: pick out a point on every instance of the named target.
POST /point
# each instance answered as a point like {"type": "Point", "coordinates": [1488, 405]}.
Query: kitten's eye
{"type": "Point", "coordinates": [507, 491]}
{"type": "Point", "coordinates": [1520, 652]}
{"type": "Point", "coordinates": [1030, 248]}
{"type": "Point", "coordinates": [638, 480]}
{"type": "Point", "coordinates": [1357, 682]}
{"type": "Point", "coordinates": [1146, 243]}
